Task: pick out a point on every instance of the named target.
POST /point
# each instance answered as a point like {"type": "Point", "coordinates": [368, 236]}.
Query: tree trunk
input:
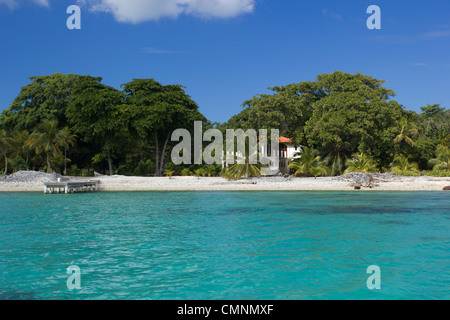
{"type": "Point", "coordinates": [163, 153]}
{"type": "Point", "coordinates": [110, 163]}
{"type": "Point", "coordinates": [49, 167]}
{"type": "Point", "coordinates": [6, 163]}
{"type": "Point", "coordinates": [397, 150]}
{"type": "Point", "coordinates": [157, 174]}
{"type": "Point", "coordinates": [65, 161]}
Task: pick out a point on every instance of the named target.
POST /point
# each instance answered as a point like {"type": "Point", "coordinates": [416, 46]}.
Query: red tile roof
{"type": "Point", "coordinates": [285, 140]}
{"type": "Point", "coordinates": [281, 139]}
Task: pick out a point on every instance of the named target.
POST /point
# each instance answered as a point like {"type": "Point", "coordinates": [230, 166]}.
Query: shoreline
{"type": "Point", "coordinates": [125, 183]}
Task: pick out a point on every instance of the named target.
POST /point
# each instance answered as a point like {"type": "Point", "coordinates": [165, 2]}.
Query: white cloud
{"type": "Point", "coordinates": [436, 34]}
{"type": "Point", "coordinates": [15, 3]}
{"type": "Point", "coordinates": [136, 11]}
{"type": "Point", "coordinates": [10, 3]}
{"type": "Point", "coordinates": [332, 14]}
{"type": "Point", "coordinates": [43, 3]}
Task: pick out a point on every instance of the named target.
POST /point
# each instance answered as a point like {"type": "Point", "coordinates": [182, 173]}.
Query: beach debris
{"type": "Point", "coordinates": [242, 182]}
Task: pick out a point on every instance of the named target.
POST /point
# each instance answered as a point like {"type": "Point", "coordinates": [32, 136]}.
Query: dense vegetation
{"type": "Point", "coordinates": [76, 125]}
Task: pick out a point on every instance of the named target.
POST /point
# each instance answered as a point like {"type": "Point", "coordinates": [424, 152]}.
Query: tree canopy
{"type": "Point", "coordinates": [111, 124]}
{"type": "Point", "coordinates": [72, 119]}
{"type": "Point", "coordinates": [46, 97]}
{"type": "Point", "coordinates": [339, 113]}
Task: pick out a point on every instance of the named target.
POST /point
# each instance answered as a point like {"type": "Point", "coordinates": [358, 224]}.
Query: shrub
{"type": "Point", "coordinates": [186, 172]}
{"type": "Point", "coordinates": [169, 173]}
{"type": "Point", "coordinates": [360, 163]}
{"type": "Point", "coordinates": [197, 173]}
{"type": "Point", "coordinates": [437, 173]}
{"type": "Point", "coordinates": [402, 165]}
{"type": "Point", "coordinates": [74, 171]}
{"type": "Point", "coordinates": [144, 168]}
{"type": "Point", "coordinates": [19, 164]}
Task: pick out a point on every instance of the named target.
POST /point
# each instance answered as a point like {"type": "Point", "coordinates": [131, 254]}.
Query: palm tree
{"type": "Point", "coordinates": [22, 147]}
{"type": "Point", "coordinates": [169, 173]}
{"type": "Point", "coordinates": [210, 170]}
{"type": "Point", "coordinates": [67, 139]}
{"type": "Point", "coordinates": [360, 163]}
{"type": "Point", "coordinates": [309, 163]}
{"type": "Point", "coordinates": [186, 172]}
{"type": "Point", "coordinates": [401, 164]}
{"type": "Point", "coordinates": [198, 173]}
{"type": "Point", "coordinates": [5, 144]}
{"type": "Point", "coordinates": [403, 136]}
{"type": "Point", "coordinates": [245, 168]}
{"type": "Point", "coordinates": [47, 139]}
{"type": "Point", "coordinates": [442, 161]}
{"type": "Point", "coordinates": [336, 164]}
{"type": "Point", "coordinates": [247, 165]}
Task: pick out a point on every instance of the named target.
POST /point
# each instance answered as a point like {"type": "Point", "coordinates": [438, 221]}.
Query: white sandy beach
{"type": "Point", "coordinates": [124, 183]}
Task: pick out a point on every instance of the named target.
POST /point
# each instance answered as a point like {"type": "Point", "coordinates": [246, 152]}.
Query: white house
{"type": "Point", "coordinates": [287, 152]}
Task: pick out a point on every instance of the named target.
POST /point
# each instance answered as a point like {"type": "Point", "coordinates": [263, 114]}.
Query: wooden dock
{"type": "Point", "coordinates": [70, 187]}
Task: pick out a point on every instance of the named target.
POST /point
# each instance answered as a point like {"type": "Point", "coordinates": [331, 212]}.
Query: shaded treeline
{"type": "Point", "coordinates": [76, 125]}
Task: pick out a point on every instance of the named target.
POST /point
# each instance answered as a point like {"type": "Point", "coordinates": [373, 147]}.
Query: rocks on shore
{"type": "Point", "coordinates": [33, 177]}
{"type": "Point", "coordinates": [367, 180]}
{"type": "Point", "coordinates": [357, 179]}
{"type": "Point", "coordinates": [447, 188]}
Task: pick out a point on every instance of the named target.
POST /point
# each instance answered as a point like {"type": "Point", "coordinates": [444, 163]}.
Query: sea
{"type": "Point", "coordinates": [225, 246]}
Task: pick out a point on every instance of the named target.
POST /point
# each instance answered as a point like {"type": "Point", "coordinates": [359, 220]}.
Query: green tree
{"type": "Point", "coordinates": [155, 111]}
{"type": "Point", "coordinates": [46, 97]}
{"type": "Point", "coordinates": [433, 126]}
{"type": "Point", "coordinates": [48, 139]}
{"type": "Point", "coordinates": [21, 146]}
{"type": "Point", "coordinates": [96, 114]}
{"type": "Point", "coordinates": [287, 109]}
{"type": "Point", "coordinates": [245, 168]}
{"type": "Point", "coordinates": [68, 139]}
{"type": "Point", "coordinates": [309, 163]}
{"type": "Point", "coordinates": [355, 114]}
{"type": "Point", "coordinates": [403, 136]}
{"type": "Point", "coordinates": [339, 113]}
{"type": "Point", "coordinates": [442, 161]}
{"type": "Point", "coordinates": [432, 110]}
{"type": "Point", "coordinates": [5, 144]}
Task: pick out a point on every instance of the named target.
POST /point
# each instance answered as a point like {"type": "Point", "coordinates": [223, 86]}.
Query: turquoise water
{"type": "Point", "coordinates": [225, 245]}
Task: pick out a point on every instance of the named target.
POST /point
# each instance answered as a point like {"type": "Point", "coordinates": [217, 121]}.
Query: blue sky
{"type": "Point", "coordinates": [227, 51]}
